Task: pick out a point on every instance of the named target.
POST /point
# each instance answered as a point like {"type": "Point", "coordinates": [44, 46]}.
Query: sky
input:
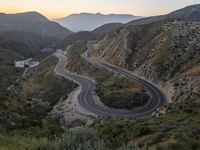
{"type": "Point", "coordinates": [59, 8]}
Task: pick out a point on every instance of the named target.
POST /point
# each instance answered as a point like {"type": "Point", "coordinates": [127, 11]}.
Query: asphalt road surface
{"type": "Point", "coordinates": [87, 99]}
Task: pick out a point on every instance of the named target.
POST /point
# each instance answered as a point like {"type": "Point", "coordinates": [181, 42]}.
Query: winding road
{"type": "Point", "coordinates": [87, 100]}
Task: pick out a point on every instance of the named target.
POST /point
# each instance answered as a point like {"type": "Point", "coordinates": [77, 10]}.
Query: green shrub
{"type": "Point", "coordinates": [78, 139]}
{"type": "Point", "coordinates": [17, 142]}
{"type": "Point", "coordinates": [177, 129]}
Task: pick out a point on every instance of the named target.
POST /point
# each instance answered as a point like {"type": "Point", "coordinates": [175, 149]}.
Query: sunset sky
{"type": "Point", "coordinates": [60, 8]}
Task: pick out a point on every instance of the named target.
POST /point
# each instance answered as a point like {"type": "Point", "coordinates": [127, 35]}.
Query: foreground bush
{"type": "Point", "coordinates": [8, 142]}
{"type": "Point", "coordinates": [79, 139]}
{"type": "Point", "coordinates": [177, 129]}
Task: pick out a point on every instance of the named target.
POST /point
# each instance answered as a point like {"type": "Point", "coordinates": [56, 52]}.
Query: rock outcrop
{"type": "Point", "coordinates": [165, 52]}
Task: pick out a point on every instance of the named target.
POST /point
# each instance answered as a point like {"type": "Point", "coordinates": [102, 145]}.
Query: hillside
{"type": "Point", "coordinates": [166, 52]}
{"type": "Point", "coordinates": [177, 129]}
{"type": "Point", "coordinates": [43, 84]}
{"type": "Point", "coordinates": [107, 28]}
{"type": "Point", "coordinates": [79, 36]}
{"type": "Point", "coordinates": [33, 41]}
{"type": "Point", "coordinates": [17, 45]}
{"type": "Point", "coordinates": [24, 121]}
{"type": "Point", "coordinates": [189, 13]}
{"type": "Point", "coordinates": [88, 22]}
{"type": "Point", "coordinates": [32, 22]}
{"type": "Point", "coordinates": [9, 52]}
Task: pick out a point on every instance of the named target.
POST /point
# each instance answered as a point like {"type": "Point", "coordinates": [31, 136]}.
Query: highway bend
{"type": "Point", "coordinates": [87, 100]}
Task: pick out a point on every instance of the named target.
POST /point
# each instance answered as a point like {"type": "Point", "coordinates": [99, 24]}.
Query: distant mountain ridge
{"type": "Point", "coordinates": [25, 17]}
{"type": "Point", "coordinates": [79, 36]}
{"type": "Point", "coordinates": [89, 21]}
{"type": "Point", "coordinates": [107, 28]}
{"type": "Point", "coordinates": [189, 13]}
{"type": "Point", "coordinates": [32, 22]}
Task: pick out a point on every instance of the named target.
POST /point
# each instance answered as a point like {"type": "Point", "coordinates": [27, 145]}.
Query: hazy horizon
{"type": "Point", "coordinates": [53, 9]}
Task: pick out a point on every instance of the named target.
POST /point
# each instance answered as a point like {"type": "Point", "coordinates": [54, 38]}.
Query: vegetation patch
{"type": "Point", "coordinates": [126, 99]}
{"type": "Point", "coordinates": [46, 85]}
{"type": "Point", "coordinates": [23, 124]}
{"type": "Point", "coordinates": [23, 119]}
{"type": "Point", "coordinates": [83, 139]}
{"type": "Point", "coordinates": [177, 129]}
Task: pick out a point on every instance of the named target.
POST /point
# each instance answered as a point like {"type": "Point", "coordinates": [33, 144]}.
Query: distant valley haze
{"type": "Point", "coordinates": [62, 8]}
{"type": "Point", "coordinates": [70, 14]}
{"type": "Point", "coordinates": [89, 21]}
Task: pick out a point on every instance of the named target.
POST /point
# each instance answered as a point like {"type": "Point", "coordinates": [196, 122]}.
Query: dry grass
{"type": "Point", "coordinates": [192, 71]}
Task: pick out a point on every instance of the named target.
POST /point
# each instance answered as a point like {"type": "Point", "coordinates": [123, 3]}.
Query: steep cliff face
{"type": "Point", "coordinates": [165, 52]}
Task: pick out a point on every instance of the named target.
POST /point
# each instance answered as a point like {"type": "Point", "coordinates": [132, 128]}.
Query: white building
{"type": "Point", "coordinates": [19, 64]}
{"type": "Point", "coordinates": [28, 63]}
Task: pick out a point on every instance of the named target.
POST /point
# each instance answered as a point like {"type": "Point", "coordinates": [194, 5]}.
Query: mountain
{"type": "Point", "coordinates": [32, 22]}
{"type": "Point", "coordinates": [88, 21]}
{"type": "Point", "coordinates": [189, 13]}
{"type": "Point", "coordinates": [79, 36]}
{"type": "Point", "coordinates": [107, 28]}
{"type": "Point", "coordinates": [33, 41]}
{"type": "Point", "coordinates": [165, 52]}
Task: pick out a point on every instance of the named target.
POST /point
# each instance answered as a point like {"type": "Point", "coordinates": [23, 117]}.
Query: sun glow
{"type": "Point", "coordinates": [59, 8]}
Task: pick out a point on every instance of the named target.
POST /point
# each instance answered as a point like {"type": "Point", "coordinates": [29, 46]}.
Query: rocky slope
{"type": "Point", "coordinates": [165, 52]}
